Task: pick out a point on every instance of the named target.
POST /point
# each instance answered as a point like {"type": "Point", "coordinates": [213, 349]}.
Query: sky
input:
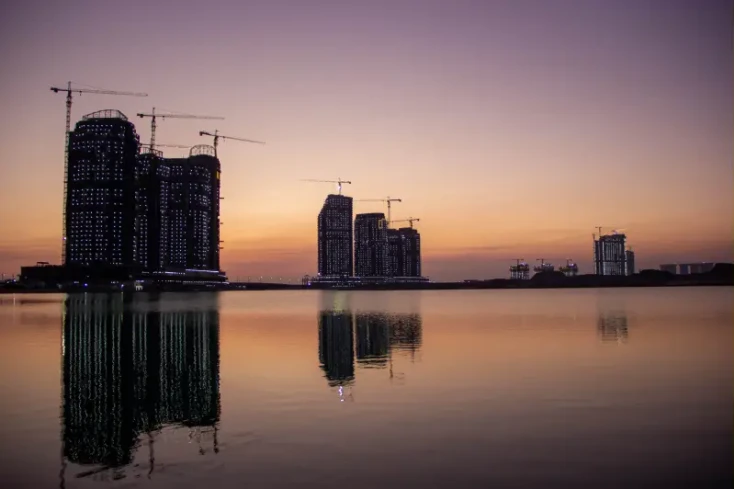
{"type": "Point", "coordinates": [510, 128]}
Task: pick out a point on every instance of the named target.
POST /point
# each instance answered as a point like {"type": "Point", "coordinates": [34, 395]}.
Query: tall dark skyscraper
{"type": "Point", "coordinates": [410, 240]}
{"type": "Point", "coordinates": [100, 204]}
{"type": "Point", "coordinates": [404, 252]}
{"type": "Point", "coordinates": [178, 210]}
{"type": "Point", "coordinates": [609, 254]}
{"type": "Point", "coordinates": [142, 210]}
{"type": "Point", "coordinates": [335, 237]}
{"type": "Point", "coordinates": [370, 245]}
{"type": "Point", "coordinates": [192, 214]}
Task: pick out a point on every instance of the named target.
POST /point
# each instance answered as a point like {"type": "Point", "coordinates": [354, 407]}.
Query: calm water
{"type": "Point", "coordinates": [578, 388]}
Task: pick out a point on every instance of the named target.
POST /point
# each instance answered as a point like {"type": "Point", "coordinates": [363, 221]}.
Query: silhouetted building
{"type": "Point", "coordinates": [373, 339]}
{"type": "Point", "coordinates": [370, 245]}
{"type": "Point", "coordinates": [570, 269]}
{"type": "Point", "coordinates": [127, 372]}
{"type": "Point", "coordinates": [609, 254]}
{"type": "Point", "coordinates": [701, 267]}
{"type": "Point", "coordinates": [335, 242]}
{"type": "Point", "coordinates": [336, 347]}
{"type": "Point", "coordinates": [101, 187]}
{"type": "Point", "coordinates": [394, 253]}
{"type": "Point", "coordinates": [411, 252]}
{"type": "Point", "coordinates": [670, 268]}
{"type": "Point", "coordinates": [178, 210]}
{"type": "Point", "coordinates": [403, 253]}
{"type": "Point", "coordinates": [140, 212]}
{"type": "Point", "coordinates": [629, 262]}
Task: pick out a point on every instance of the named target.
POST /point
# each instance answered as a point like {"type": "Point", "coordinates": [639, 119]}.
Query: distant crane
{"type": "Point", "coordinates": [69, 90]}
{"type": "Point", "coordinates": [338, 181]}
{"type": "Point", "coordinates": [153, 116]}
{"type": "Point", "coordinates": [408, 219]}
{"type": "Point", "coordinates": [218, 136]}
{"type": "Point", "coordinates": [388, 200]}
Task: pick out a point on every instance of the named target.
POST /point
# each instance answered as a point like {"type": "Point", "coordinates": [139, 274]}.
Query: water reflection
{"type": "Point", "coordinates": [336, 350]}
{"type": "Point", "coordinates": [369, 337]}
{"type": "Point", "coordinates": [128, 373]}
{"type": "Point", "coordinates": [612, 326]}
{"type": "Point", "coordinates": [612, 323]}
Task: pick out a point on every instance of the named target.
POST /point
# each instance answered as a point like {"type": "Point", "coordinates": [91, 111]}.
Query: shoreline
{"type": "Point", "coordinates": [489, 285]}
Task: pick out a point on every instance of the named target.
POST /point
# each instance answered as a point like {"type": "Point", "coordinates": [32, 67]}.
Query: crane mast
{"type": "Point", "coordinates": [69, 90]}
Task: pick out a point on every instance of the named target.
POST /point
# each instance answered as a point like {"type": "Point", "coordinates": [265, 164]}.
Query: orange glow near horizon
{"type": "Point", "coordinates": [510, 132]}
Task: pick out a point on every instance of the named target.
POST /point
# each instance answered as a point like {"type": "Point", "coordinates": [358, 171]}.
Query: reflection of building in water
{"type": "Point", "coordinates": [336, 349]}
{"type": "Point", "coordinates": [406, 332]}
{"type": "Point", "coordinates": [370, 337]}
{"type": "Point", "coordinates": [612, 326]}
{"type": "Point", "coordinates": [373, 339]}
{"type": "Point", "coordinates": [128, 372]}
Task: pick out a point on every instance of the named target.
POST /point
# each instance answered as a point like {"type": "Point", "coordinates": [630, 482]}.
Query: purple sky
{"type": "Point", "coordinates": [511, 128]}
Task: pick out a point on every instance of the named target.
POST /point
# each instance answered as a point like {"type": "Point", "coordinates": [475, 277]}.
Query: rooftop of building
{"type": "Point", "coordinates": [106, 114]}
{"type": "Point", "coordinates": [371, 215]}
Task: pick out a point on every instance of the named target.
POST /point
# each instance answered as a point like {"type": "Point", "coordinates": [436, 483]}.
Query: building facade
{"type": "Point", "coordinates": [609, 254]}
{"type": "Point", "coordinates": [410, 251]}
{"type": "Point", "coordinates": [629, 262]}
{"type": "Point", "coordinates": [335, 244]}
{"type": "Point", "coordinates": [100, 201]}
{"type": "Point", "coordinates": [139, 210]}
{"type": "Point", "coordinates": [370, 245]}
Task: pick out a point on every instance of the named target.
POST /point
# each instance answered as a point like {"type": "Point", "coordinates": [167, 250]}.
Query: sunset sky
{"type": "Point", "coordinates": [510, 128]}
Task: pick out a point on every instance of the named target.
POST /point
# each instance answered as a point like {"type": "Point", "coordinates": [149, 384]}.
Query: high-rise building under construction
{"type": "Point", "coordinates": [142, 211]}
{"type": "Point", "coordinates": [609, 254]}
{"type": "Point", "coordinates": [100, 203]}
{"type": "Point", "coordinates": [403, 252]}
{"type": "Point", "coordinates": [335, 237]}
{"type": "Point", "coordinates": [370, 245]}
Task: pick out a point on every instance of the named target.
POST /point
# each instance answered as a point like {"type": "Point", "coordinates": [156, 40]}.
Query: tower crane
{"type": "Point", "coordinates": [69, 90]}
{"type": "Point", "coordinates": [408, 219]}
{"type": "Point", "coordinates": [182, 146]}
{"type": "Point", "coordinates": [389, 202]}
{"type": "Point", "coordinates": [338, 181]}
{"type": "Point", "coordinates": [153, 117]}
{"type": "Point", "coordinates": [218, 136]}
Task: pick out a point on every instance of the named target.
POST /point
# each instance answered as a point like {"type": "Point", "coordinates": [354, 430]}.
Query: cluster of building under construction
{"type": "Point", "coordinates": [363, 248]}
{"type": "Point", "coordinates": [611, 257]}
{"type": "Point", "coordinates": [130, 213]}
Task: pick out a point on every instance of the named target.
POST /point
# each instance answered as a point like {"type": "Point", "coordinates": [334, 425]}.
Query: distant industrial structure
{"type": "Point", "coordinates": [520, 271]}
{"type": "Point", "coordinates": [570, 269]}
{"type": "Point", "coordinates": [544, 266]}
